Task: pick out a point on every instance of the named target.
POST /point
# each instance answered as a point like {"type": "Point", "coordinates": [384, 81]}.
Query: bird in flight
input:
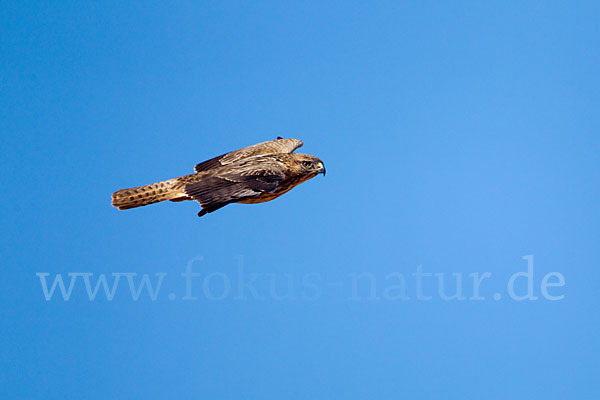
{"type": "Point", "coordinates": [254, 174]}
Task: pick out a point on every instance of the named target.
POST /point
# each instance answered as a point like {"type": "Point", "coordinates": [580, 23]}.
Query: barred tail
{"type": "Point", "coordinates": [143, 195]}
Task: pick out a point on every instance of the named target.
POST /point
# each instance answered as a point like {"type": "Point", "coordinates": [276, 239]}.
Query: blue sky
{"type": "Point", "coordinates": [457, 137]}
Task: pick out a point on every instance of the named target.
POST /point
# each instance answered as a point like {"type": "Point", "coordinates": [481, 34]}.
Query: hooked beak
{"type": "Point", "coordinates": [321, 169]}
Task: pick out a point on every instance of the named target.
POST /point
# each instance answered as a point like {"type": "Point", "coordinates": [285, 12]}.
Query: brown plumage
{"type": "Point", "coordinates": [254, 174]}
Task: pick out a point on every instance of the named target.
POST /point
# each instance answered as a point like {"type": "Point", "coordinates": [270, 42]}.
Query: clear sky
{"type": "Point", "coordinates": [461, 139]}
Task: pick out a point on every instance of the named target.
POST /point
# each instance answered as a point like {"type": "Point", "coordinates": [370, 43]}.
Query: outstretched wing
{"type": "Point", "coordinates": [277, 146]}
{"type": "Point", "coordinates": [217, 191]}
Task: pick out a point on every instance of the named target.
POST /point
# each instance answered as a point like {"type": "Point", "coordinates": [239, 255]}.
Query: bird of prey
{"type": "Point", "coordinates": [254, 174]}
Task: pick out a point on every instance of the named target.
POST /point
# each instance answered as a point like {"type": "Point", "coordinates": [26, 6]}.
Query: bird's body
{"type": "Point", "coordinates": [254, 174]}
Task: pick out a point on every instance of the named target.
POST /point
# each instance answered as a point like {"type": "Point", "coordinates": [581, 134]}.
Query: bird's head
{"type": "Point", "coordinates": [305, 164]}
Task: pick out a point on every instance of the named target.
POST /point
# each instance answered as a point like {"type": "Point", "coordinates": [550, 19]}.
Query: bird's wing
{"type": "Point", "coordinates": [214, 192]}
{"type": "Point", "coordinates": [271, 147]}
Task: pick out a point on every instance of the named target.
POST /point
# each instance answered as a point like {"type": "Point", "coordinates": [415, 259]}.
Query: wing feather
{"type": "Point", "coordinates": [214, 192]}
{"type": "Point", "coordinates": [277, 146]}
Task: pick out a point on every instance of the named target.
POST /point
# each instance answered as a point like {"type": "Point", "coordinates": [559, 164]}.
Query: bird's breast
{"type": "Point", "coordinates": [283, 188]}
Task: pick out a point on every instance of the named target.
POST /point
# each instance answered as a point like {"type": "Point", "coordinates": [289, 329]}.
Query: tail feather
{"type": "Point", "coordinates": [125, 199]}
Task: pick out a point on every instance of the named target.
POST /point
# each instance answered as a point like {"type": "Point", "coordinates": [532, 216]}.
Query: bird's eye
{"type": "Point", "coordinates": [306, 164]}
